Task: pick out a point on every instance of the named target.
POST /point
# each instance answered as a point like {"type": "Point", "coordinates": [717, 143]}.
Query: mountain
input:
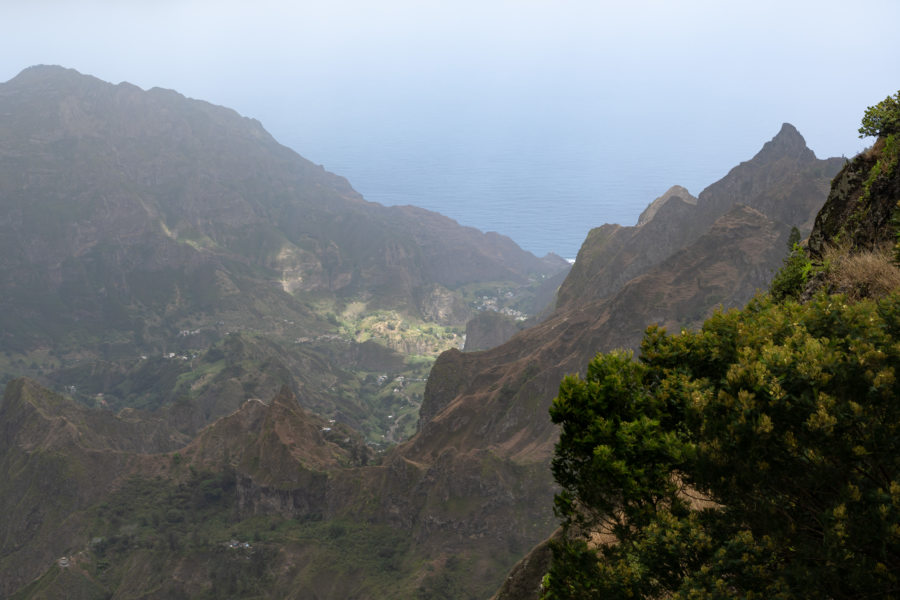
{"type": "Point", "coordinates": [262, 495]}
{"type": "Point", "coordinates": [122, 205]}
{"type": "Point", "coordinates": [139, 227]}
{"type": "Point", "coordinates": [784, 181]}
{"type": "Point", "coordinates": [495, 402]}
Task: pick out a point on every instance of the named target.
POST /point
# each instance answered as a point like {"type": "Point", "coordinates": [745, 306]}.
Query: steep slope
{"type": "Point", "coordinates": [863, 201]}
{"type": "Point", "coordinates": [141, 224]}
{"type": "Point", "coordinates": [494, 403]}
{"type": "Point", "coordinates": [146, 210]}
{"type": "Point", "coordinates": [58, 458]}
{"type": "Point", "coordinates": [784, 181]}
{"type": "Point", "coordinates": [489, 329]}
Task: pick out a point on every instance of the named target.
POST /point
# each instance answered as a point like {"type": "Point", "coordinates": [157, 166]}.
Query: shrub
{"type": "Point", "coordinates": [791, 279]}
{"type": "Point", "coordinates": [783, 417]}
{"type": "Point", "coordinates": [861, 274]}
{"type": "Point", "coordinates": [882, 119]}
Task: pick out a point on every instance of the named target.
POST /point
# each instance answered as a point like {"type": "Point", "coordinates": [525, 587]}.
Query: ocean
{"type": "Point", "coordinates": [543, 187]}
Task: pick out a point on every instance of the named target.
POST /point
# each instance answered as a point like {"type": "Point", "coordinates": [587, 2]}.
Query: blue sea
{"type": "Point", "coordinates": [543, 186]}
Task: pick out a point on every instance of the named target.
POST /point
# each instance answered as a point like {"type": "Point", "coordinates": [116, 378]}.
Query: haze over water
{"type": "Point", "coordinates": [545, 198]}
{"type": "Point", "coordinates": [533, 118]}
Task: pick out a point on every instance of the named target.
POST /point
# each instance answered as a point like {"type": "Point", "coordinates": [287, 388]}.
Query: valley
{"type": "Point", "coordinates": [229, 375]}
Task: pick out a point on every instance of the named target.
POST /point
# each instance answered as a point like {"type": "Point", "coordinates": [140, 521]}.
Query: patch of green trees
{"type": "Point", "coordinates": [756, 458]}
{"type": "Point", "coordinates": [882, 119]}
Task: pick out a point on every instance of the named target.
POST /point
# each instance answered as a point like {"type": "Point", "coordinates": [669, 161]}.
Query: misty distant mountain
{"type": "Point", "coordinates": [133, 212]}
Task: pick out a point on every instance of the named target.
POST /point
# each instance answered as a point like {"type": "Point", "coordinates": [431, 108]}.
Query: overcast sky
{"type": "Point", "coordinates": [717, 73]}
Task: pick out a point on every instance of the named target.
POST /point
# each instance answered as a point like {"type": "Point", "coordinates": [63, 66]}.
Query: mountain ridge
{"type": "Point", "coordinates": [444, 514]}
{"type": "Point", "coordinates": [145, 224]}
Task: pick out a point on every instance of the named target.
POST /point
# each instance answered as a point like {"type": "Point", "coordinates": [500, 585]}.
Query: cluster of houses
{"type": "Point", "coordinates": [494, 303]}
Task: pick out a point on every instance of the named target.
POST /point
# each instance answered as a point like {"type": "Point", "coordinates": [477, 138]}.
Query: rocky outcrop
{"type": "Point", "coordinates": [443, 385]}
{"type": "Point", "coordinates": [676, 191]}
{"type": "Point", "coordinates": [524, 580]}
{"type": "Point", "coordinates": [303, 501]}
{"type": "Point", "coordinates": [862, 203]}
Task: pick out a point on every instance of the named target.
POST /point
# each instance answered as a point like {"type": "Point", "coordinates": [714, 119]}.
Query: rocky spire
{"type": "Point", "coordinates": [788, 143]}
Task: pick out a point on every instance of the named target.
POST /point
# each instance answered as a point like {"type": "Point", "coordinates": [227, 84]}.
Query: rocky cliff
{"type": "Point", "coordinates": [784, 181]}
{"type": "Point", "coordinates": [489, 329]}
{"type": "Point", "coordinates": [862, 204]}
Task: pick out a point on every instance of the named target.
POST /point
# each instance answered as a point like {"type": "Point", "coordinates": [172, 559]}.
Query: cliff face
{"type": "Point", "coordinates": [862, 202]}
{"type": "Point", "coordinates": [489, 329]}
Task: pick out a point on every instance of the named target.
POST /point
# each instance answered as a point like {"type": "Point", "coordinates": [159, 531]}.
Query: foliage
{"type": "Point", "coordinates": [756, 458]}
{"type": "Point", "coordinates": [861, 273]}
{"type": "Point", "coordinates": [791, 279]}
{"type": "Point", "coordinates": [882, 119]}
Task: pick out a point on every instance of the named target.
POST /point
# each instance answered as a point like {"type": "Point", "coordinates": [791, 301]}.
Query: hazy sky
{"type": "Point", "coordinates": [715, 75]}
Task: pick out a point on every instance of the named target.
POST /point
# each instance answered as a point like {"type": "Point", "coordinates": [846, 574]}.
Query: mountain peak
{"type": "Point", "coordinates": [787, 143]}
{"type": "Point", "coordinates": [42, 73]}
{"type": "Point", "coordinates": [676, 191]}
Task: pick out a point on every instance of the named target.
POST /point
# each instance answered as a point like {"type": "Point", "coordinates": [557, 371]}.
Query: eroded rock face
{"type": "Point", "coordinates": [524, 580]}
{"type": "Point", "coordinates": [852, 215]}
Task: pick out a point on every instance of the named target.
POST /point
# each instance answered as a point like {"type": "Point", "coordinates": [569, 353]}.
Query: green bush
{"type": "Point", "coordinates": [756, 458]}
{"type": "Point", "coordinates": [790, 280]}
{"type": "Point", "coordinates": [882, 119]}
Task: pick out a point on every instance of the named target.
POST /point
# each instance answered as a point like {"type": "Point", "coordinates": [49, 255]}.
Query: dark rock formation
{"type": "Point", "coordinates": [857, 217]}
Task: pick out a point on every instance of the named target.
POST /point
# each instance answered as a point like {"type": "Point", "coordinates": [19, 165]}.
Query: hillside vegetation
{"type": "Point", "coordinates": [758, 457]}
